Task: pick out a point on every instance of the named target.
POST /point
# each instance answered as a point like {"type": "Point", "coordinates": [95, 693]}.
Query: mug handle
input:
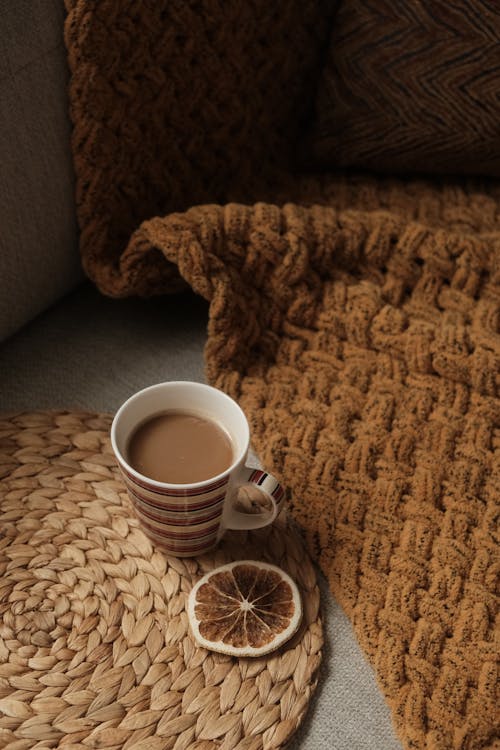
{"type": "Point", "coordinates": [268, 485]}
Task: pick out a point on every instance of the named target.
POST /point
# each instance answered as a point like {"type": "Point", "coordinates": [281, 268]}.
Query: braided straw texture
{"type": "Point", "coordinates": [95, 650]}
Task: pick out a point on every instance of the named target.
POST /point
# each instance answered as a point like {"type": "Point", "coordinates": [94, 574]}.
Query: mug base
{"type": "Point", "coordinates": [181, 553]}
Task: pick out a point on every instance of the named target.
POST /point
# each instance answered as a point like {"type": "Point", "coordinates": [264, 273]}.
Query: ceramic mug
{"type": "Point", "coordinates": [190, 519]}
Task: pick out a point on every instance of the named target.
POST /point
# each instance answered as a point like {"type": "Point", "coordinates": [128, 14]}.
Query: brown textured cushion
{"type": "Point", "coordinates": [179, 102]}
{"type": "Point", "coordinates": [412, 86]}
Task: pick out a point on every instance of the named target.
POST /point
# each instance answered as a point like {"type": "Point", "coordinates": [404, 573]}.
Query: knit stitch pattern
{"type": "Point", "coordinates": [358, 325]}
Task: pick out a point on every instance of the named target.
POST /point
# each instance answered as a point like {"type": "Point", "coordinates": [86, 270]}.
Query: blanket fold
{"type": "Point", "coordinates": [365, 350]}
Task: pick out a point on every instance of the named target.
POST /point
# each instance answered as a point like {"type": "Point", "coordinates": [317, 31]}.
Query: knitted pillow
{"type": "Point", "coordinates": [412, 86]}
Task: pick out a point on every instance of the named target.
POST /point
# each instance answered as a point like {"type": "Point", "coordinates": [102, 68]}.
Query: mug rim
{"type": "Point", "coordinates": [171, 485]}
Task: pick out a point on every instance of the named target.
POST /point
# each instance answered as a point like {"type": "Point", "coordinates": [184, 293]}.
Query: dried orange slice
{"type": "Point", "coordinates": [244, 608]}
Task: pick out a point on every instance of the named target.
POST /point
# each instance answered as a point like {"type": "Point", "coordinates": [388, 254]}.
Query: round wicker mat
{"type": "Point", "coordinates": [95, 649]}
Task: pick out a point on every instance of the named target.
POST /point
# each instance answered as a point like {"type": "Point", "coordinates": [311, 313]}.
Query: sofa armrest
{"type": "Point", "coordinates": [38, 232]}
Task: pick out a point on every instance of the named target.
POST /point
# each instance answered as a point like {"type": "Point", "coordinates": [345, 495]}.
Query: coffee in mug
{"type": "Point", "coordinates": [179, 447]}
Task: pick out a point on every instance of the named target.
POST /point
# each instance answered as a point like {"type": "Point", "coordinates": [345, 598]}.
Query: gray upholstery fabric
{"type": "Point", "coordinates": [38, 239]}
{"type": "Point", "coordinates": [92, 352]}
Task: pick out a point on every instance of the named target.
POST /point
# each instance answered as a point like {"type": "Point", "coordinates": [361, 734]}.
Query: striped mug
{"type": "Point", "coordinates": [190, 519]}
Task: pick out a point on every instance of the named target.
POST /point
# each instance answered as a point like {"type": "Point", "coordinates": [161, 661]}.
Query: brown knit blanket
{"type": "Point", "coordinates": [356, 321]}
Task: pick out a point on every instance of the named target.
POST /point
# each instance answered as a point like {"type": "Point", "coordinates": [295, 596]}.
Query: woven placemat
{"type": "Point", "coordinates": [95, 648]}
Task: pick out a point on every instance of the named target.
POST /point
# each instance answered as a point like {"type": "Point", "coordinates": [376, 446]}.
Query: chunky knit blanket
{"type": "Point", "coordinates": [356, 321]}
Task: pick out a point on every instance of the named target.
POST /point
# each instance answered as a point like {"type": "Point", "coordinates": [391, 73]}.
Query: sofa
{"type": "Point", "coordinates": [67, 346]}
{"type": "Point", "coordinates": [62, 340]}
